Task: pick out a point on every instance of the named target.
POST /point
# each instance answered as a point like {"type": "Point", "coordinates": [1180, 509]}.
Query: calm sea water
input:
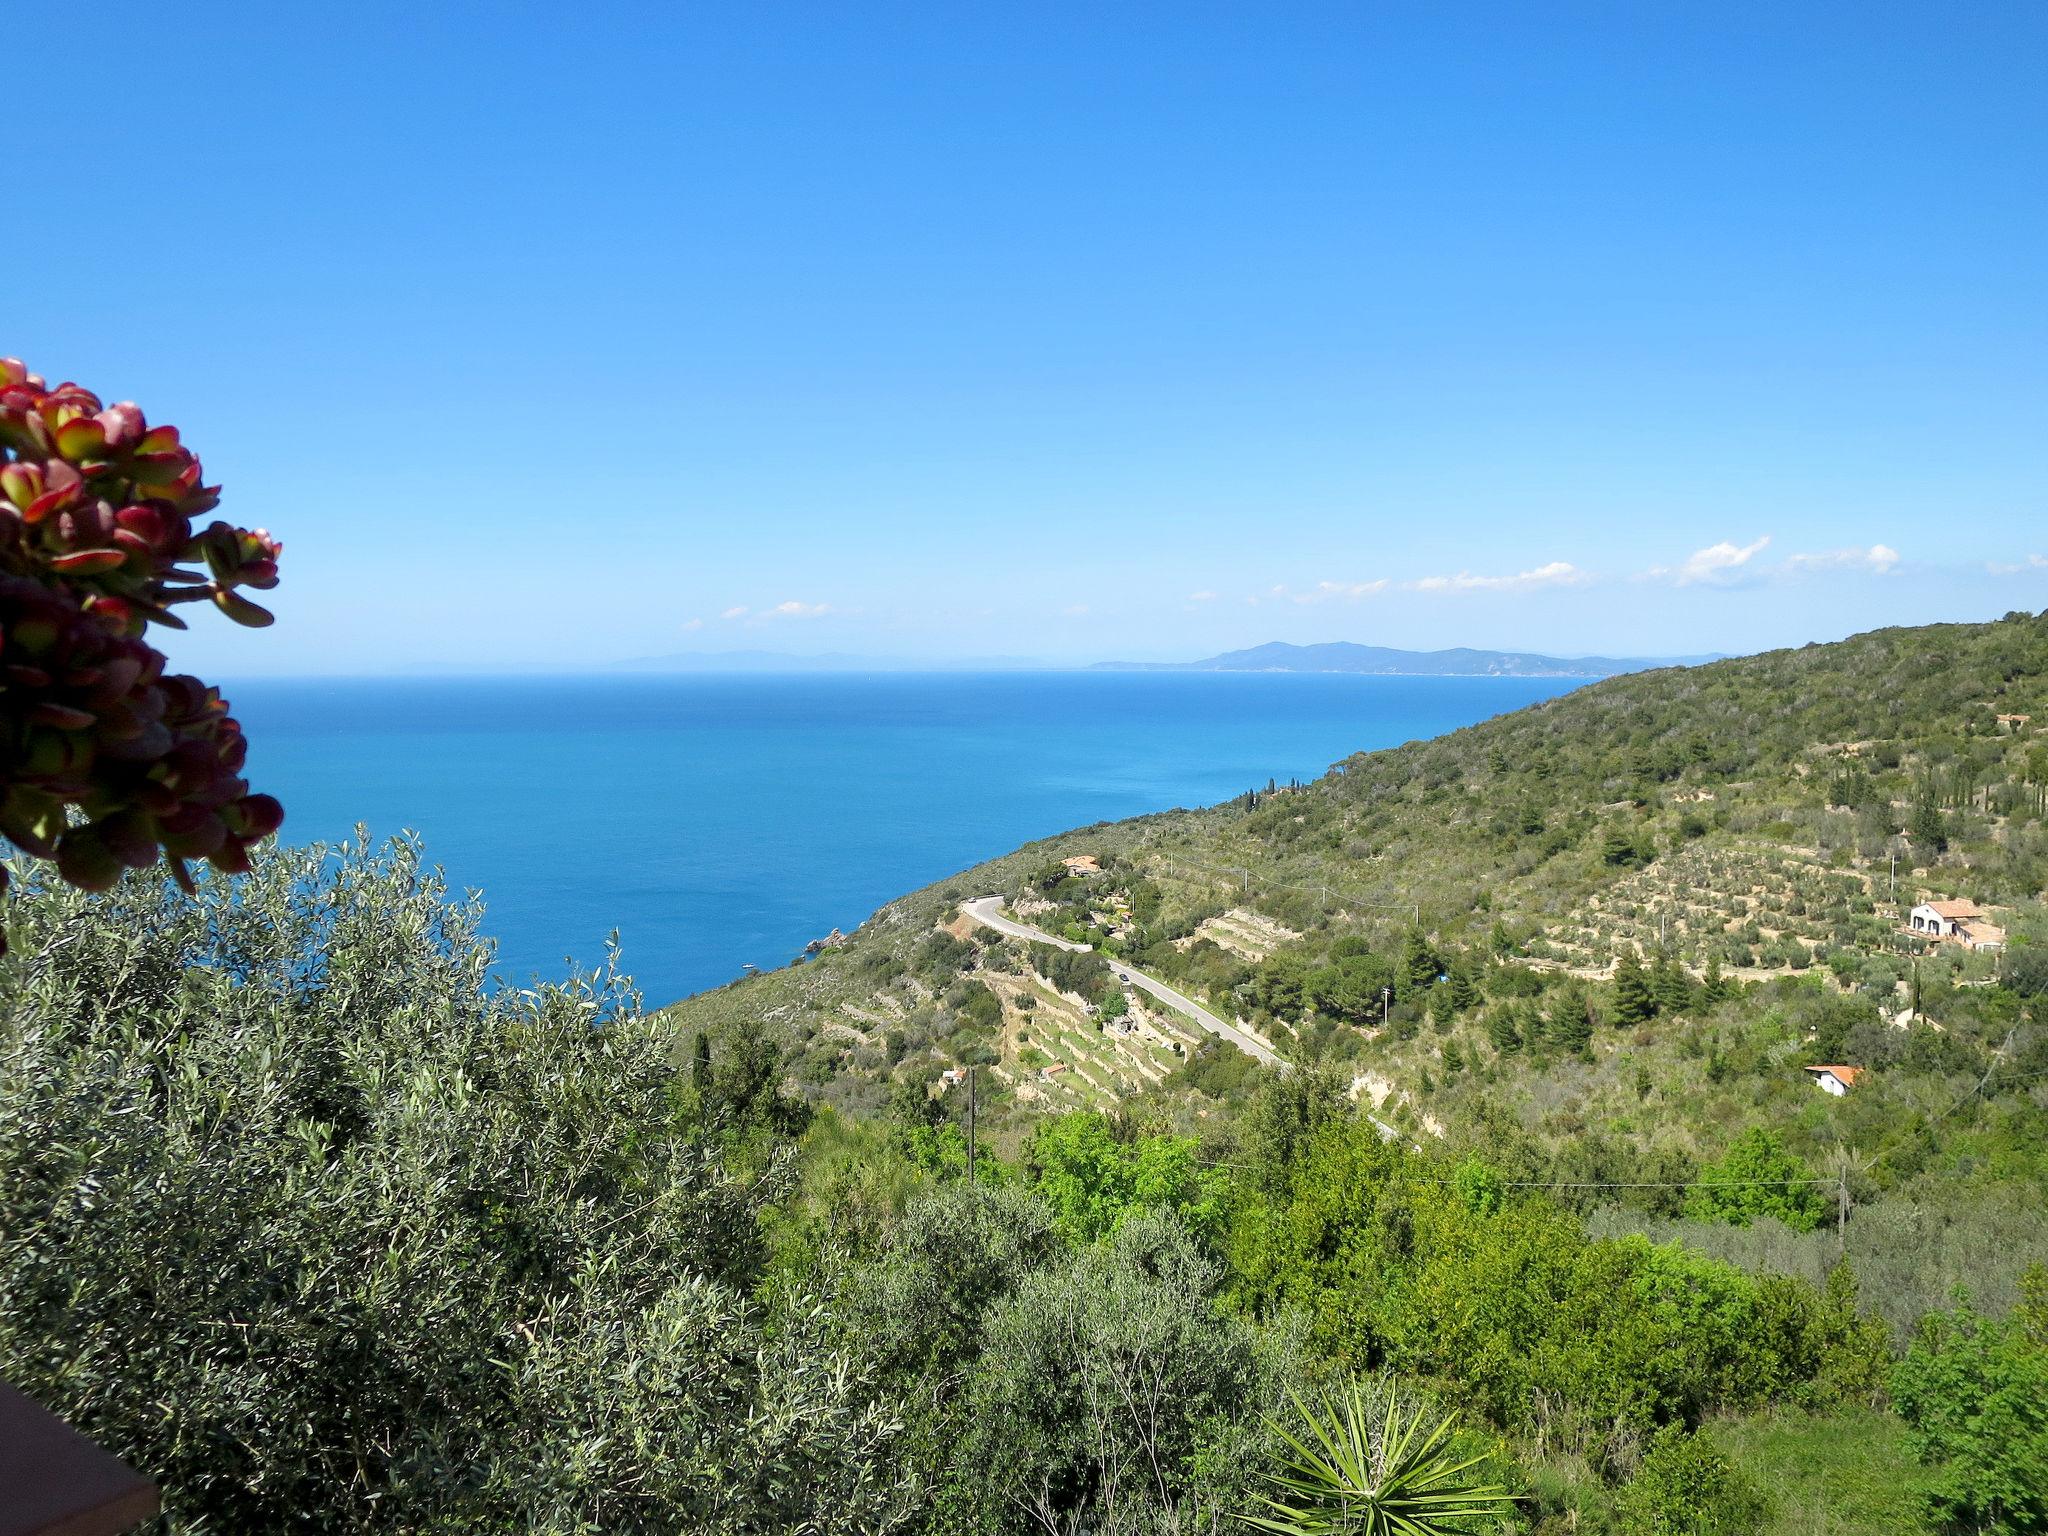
{"type": "Point", "coordinates": [715, 821]}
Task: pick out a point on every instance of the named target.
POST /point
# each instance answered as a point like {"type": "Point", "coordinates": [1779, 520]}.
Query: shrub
{"type": "Point", "coordinates": [309, 1222]}
{"type": "Point", "coordinates": [1685, 1487]}
{"type": "Point", "coordinates": [1974, 1393]}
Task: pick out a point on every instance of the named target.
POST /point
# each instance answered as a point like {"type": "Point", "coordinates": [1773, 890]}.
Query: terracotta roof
{"type": "Point", "coordinates": [1955, 909]}
{"type": "Point", "coordinates": [1984, 933]}
{"type": "Point", "coordinates": [1083, 863]}
{"type": "Point", "coordinates": [1846, 1076]}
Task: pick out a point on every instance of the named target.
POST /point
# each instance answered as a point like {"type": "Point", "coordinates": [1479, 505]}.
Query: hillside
{"type": "Point", "coordinates": [1729, 830]}
{"type": "Point", "coordinates": [1389, 661]}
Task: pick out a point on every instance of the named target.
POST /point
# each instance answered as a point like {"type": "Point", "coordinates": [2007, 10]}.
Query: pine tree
{"type": "Point", "coordinates": [1714, 988]}
{"type": "Point", "coordinates": [1571, 1020]}
{"type": "Point", "coordinates": [1420, 962]}
{"type": "Point", "coordinates": [1500, 1029]}
{"type": "Point", "coordinates": [1929, 828]}
{"type": "Point", "coordinates": [1633, 1002]}
{"type": "Point", "coordinates": [1442, 1008]}
{"type": "Point", "coordinates": [1670, 986]}
{"type": "Point", "coordinates": [1464, 990]}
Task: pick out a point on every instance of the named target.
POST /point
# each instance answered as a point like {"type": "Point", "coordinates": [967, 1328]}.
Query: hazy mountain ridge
{"type": "Point", "coordinates": [1391, 661]}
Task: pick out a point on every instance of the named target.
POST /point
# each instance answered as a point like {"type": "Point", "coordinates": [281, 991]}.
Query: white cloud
{"type": "Point", "coordinates": [737, 611]}
{"type": "Point", "coordinates": [1877, 559]}
{"type": "Point", "coordinates": [693, 624]}
{"type": "Point", "coordinates": [1351, 591]}
{"type": "Point", "coordinates": [796, 610]}
{"type": "Point", "coordinates": [2014, 567]}
{"type": "Point", "coordinates": [1715, 563]}
{"type": "Point", "coordinates": [1558, 573]}
{"type": "Point", "coordinates": [1074, 610]}
{"type": "Point", "coordinates": [1201, 597]}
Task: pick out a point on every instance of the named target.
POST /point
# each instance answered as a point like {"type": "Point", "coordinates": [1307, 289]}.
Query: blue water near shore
{"type": "Point", "coordinates": [720, 820]}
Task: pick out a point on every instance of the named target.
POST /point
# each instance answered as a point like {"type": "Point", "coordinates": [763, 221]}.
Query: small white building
{"type": "Point", "coordinates": [1957, 922]}
{"type": "Point", "coordinates": [1835, 1080]}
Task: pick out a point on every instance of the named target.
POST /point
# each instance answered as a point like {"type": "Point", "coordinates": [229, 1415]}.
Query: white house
{"type": "Point", "coordinates": [1835, 1080]}
{"type": "Point", "coordinates": [1959, 922]}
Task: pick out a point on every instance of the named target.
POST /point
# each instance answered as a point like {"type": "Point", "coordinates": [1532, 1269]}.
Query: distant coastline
{"type": "Point", "coordinates": [1340, 656]}
{"type": "Point", "coordinates": [1343, 656]}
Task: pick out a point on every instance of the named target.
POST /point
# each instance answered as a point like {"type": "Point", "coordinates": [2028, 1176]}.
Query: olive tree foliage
{"type": "Point", "coordinates": [309, 1220]}
{"type": "Point", "coordinates": [1112, 1394]}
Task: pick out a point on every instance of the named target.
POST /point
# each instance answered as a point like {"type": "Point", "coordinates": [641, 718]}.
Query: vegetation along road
{"type": "Point", "coordinates": [987, 910]}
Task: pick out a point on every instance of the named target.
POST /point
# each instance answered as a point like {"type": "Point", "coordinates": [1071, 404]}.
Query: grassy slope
{"type": "Point", "coordinates": [1842, 1474]}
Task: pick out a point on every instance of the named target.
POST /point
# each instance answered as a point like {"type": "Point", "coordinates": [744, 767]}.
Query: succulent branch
{"type": "Point", "coordinates": [108, 762]}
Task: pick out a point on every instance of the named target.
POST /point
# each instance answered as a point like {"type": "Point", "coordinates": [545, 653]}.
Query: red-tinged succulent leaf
{"type": "Point", "coordinates": [241, 610]}
{"type": "Point", "coordinates": [122, 424]}
{"type": "Point", "coordinates": [81, 439]}
{"type": "Point", "coordinates": [21, 484]}
{"type": "Point", "coordinates": [62, 486]}
{"type": "Point", "coordinates": [86, 862]}
{"type": "Point", "coordinates": [62, 716]}
{"type": "Point", "coordinates": [88, 562]}
{"type": "Point", "coordinates": [262, 814]}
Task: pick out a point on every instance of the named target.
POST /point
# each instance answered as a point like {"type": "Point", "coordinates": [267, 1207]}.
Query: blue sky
{"type": "Point", "coordinates": [550, 335]}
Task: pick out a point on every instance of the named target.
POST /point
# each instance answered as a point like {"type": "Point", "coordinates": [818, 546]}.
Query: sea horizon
{"type": "Point", "coordinates": [724, 820]}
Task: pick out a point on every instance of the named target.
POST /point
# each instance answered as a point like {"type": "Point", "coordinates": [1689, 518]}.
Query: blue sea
{"type": "Point", "coordinates": [717, 821]}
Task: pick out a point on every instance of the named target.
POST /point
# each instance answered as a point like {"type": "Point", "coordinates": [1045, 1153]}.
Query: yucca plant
{"type": "Point", "coordinates": [1366, 1467]}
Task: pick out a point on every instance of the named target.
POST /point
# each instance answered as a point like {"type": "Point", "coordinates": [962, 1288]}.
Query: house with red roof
{"type": "Point", "coordinates": [1836, 1080]}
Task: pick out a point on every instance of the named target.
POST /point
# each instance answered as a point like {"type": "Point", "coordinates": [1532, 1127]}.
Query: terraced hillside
{"type": "Point", "coordinates": [1764, 817]}
{"type": "Point", "coordinates": [1594, 943]}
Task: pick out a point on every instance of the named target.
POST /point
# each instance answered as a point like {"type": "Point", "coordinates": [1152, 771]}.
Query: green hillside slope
{"type": "Point", "coordinates": [1596, 939]}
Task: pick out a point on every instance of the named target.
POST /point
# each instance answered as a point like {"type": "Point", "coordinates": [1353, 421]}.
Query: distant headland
{"type": "Point", "coordinates": [1387, 661]}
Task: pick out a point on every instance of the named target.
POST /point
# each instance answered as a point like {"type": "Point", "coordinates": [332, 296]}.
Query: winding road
{"type": "Point", "coordinates": [988, 911]}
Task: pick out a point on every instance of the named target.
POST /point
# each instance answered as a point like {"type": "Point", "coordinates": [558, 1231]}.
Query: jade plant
{"type": "Point", "coordinates": [107, 761]}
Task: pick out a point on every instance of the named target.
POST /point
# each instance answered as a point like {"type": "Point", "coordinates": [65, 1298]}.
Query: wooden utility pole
{"type": "Point", "coordinates": [1841, 1214]}
{"type": "Point", "coordinates": [970, 1127]}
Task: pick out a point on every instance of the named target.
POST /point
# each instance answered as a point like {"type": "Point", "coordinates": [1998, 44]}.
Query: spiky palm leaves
{"type": "Point", "coordinates": [1364, 1466]}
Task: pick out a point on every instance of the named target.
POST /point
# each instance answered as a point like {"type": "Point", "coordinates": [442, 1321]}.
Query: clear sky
{"type": "Point", "coordinates": [546, 336]}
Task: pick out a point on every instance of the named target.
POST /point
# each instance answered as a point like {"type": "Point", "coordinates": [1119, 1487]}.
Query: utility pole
{"type": "Point", "coordinates": [1386, 1005]}
{"type": "Point", "coordinates": [1841, 1214]}
{"type": "Point", "coordinates": [970, 1127]}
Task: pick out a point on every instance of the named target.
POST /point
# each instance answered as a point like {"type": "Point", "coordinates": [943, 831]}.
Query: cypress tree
{"type": "Point", "coordinates": [1633, 1003]}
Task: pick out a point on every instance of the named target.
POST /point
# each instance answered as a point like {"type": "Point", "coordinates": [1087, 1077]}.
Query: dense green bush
{"type": "Point", "coordinates": [306, 1219]}
{"type": "Point", "coordinates": [1974, 1393]}
{"type": "Point", "coordinates": [1685, 1487]}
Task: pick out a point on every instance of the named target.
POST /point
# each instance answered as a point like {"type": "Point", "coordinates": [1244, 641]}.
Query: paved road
{"type": "Point", "coordinates": [988, 911]}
